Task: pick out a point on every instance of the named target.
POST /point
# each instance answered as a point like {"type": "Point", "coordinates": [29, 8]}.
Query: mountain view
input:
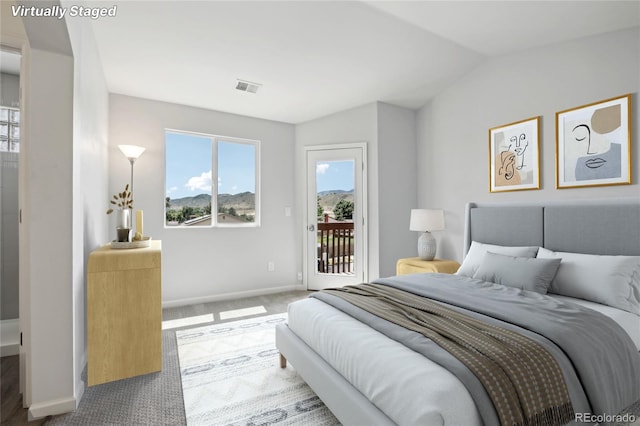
{"type": "Point", "coordinates": [328, 200]}
{"type": "Point", "coordinates": [240, 206]}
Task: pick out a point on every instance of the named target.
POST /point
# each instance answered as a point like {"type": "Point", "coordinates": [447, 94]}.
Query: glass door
{"type": "Point", "coordinates": [335, 217]}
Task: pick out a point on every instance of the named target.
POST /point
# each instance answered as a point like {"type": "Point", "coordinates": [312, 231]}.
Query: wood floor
{"type": "Point", "coordinates": [12, 413]}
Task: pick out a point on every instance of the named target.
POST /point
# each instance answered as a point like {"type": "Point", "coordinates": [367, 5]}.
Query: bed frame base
{"type": "Point", "coordinates": [344, 401]}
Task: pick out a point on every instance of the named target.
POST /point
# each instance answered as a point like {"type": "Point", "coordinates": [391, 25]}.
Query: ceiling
{"type": "Point", "coordinates": [314, 58]}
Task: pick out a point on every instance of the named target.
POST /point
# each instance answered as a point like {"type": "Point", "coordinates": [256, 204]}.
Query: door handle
{"type": "Point", "coordinates": [311, 228]}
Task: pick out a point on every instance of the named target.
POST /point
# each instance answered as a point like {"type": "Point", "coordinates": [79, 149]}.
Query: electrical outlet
{"type": "Point", "coordinates": [271, 266]}
{"type": "Point", "coordinates": [299, 276]}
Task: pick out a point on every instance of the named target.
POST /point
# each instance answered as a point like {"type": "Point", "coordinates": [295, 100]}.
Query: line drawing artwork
{"type": "Point", "coordinates": [514, 156]}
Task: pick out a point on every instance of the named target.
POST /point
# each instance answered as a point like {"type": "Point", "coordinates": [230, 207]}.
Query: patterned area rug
{"type": "Point", "coordinates": [231, 376]}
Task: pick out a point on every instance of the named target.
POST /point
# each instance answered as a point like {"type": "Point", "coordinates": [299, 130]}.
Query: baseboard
{"type": "Point", "coordinates": [52, 408]}
{"type": "Point", "coordinates": [9, 337]}
{"type": "Point", "coordinates": [228, 296]}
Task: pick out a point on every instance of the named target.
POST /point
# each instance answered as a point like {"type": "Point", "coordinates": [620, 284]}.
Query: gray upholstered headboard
{"type": "Point", "coordinates": [609, 227]}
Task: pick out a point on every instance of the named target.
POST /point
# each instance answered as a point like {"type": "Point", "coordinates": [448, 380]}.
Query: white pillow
{"type": "Point", "coordinates": [610, 280]}
{"type": "Point", "coordinates": [476, 252]}
{"type": "Point", "coordinates": [525, 273]}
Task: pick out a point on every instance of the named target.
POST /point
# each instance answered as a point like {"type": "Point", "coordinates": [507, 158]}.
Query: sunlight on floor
{"type": "Point", "coordinates": [182, 322]}
{"type": "Point", "coordinates": [237, 313]}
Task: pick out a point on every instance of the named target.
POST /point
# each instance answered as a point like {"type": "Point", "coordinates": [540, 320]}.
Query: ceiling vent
{"type": "Point", "coordinates": [247, 86]}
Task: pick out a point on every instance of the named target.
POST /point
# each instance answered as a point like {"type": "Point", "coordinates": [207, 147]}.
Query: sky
{"type": "Point", "coordinates": [332, 175]}
{"type": "Point", "coordinates": [189, 166]}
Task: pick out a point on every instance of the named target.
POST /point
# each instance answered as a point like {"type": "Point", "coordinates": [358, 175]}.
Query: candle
{"type": "Point", "coordinates": [139, 222]}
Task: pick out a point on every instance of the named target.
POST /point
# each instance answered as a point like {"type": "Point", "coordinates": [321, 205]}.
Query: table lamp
{"type": "Point", "coordinates": [426, 220]}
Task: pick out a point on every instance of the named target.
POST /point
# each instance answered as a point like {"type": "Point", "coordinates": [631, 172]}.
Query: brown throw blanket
{"type": "Point", "coordinates": [522, 379]}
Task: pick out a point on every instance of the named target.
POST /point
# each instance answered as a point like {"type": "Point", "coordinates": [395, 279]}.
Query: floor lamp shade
{"type": "Point", "coordinates": [132, 152]}
{"type": "Point", "coordinates": [426, 220]}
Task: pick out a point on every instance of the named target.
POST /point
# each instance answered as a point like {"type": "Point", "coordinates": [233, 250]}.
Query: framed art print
{"type": "Point", "coordinates": [514, 156]}
{"type": "Point", "coordinates": [593, 144]}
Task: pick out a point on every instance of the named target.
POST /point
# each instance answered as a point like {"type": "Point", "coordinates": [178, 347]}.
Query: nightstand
{"type": "Point", "coordinates": [415, 265]}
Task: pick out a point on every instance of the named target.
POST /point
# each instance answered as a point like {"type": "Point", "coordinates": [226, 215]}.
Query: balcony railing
{"type": "Point", "coordinates": [335, 247]}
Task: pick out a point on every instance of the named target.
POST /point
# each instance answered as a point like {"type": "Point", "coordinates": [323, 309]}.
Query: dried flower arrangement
{"type": "Point", "coordinates": [122, 200]}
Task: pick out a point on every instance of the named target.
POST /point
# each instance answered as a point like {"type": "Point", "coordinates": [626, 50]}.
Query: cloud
{"type": "Point", "coordinates": [202, 182]}
{"type": "Point", "coordinates": [321, 168]}
{"type": "Point", "coordinates": [172, 189]}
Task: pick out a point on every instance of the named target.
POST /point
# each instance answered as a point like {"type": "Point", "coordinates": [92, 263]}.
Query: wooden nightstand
{"type": "Point", "coordinates": [415, 265]}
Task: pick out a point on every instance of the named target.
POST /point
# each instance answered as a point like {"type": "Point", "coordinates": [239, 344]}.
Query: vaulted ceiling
{"type": "Point", "coordinates": [314, 58]}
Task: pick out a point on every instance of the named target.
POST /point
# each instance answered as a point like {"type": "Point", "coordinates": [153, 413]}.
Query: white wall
{"type": "Point", "coordinates": [63, 173]}
{"type": "Point", "coordinates": [47, 213]}
{"type": "Point", "coordinates": [453, 127]}
{"type": "Point", "coordinates": [207, 264]}
{"type": "Point", "coordinates": [354, 125]}
{"type": "Point", "coordinates": [391, 146]}
{"type": "Point", "coordinates": [90, 176]}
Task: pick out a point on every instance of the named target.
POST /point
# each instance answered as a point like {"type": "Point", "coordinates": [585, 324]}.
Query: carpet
{"type": "Point", "coordinates": [231, 376]}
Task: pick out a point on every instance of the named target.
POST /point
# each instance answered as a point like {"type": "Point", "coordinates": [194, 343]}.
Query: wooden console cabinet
{"type": "Point", "coordinates": [124, 313]}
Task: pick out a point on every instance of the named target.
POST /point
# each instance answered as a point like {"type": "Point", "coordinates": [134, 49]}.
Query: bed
{"type": "Point", "coordinates": [366, 376]}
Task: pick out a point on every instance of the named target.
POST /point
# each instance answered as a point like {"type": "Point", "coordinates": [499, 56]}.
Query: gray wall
{"type": "Point", "coordinates": [205, 264]}
{"type": "Point", "coordinates": [453, 127]}
{"type": "Point", "coordinates": [9, 235]}
{"type": "Point", "coordinates": [397, 168]}
{"type": "Point", "coordinates": [391, 146]}
{"type": "Point", "coordinates": [9, 90]}
{"type": "Point", "coordinates": [9, 96]}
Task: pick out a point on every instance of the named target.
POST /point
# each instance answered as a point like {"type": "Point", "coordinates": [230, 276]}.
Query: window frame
{"type": "Point", "coordinates": [215, 140]}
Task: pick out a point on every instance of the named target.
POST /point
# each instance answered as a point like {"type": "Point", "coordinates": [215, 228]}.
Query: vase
{"type": "Point", "coordinates": [123, 222]}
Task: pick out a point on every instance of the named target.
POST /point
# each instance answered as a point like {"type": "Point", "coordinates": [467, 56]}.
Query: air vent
{"type": "Point", "coordinates": [247, 86]}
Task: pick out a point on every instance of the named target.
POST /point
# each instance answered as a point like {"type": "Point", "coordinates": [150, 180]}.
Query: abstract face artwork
{"type": "Point", "coordinates": [593, 144]}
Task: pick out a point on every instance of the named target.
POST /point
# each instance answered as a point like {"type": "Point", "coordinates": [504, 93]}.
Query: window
{"type": "Point", "coordinates": [9, 129]}
{"type": "Point", "coordinates": [211, 181]}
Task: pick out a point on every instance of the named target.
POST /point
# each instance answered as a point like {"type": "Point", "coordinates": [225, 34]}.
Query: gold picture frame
{"type": "Point", "coordinates": [514, 156]}
{"type": "Point", "coordinates": [593, 144]}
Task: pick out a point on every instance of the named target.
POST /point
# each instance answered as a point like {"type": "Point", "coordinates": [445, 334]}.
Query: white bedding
{"type": "Point", "coordinates": [443, 398]}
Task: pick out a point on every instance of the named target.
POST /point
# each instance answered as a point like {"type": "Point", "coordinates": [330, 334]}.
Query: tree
{"type": "Point", "coordinates": [167, 202]}
{"type": "Point", "coordinates": [343, 210]}
{"type": "Point", "coordinates": [320, 209]}
{"type": "Point", "coordinates": [187, 211]}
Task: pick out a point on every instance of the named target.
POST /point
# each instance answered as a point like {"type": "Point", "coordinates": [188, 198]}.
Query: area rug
{"type": "Point", "coordinates": [231, 376]}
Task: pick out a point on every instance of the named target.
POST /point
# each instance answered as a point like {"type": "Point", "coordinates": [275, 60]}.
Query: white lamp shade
{"type": "Point", "coordinates": [131, 151]}
{"type": "Point", "coordinates": [426, 220]}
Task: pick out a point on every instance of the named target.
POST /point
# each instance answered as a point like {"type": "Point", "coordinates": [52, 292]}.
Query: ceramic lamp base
{"type": "Point", "coordinates": [426, 246]}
